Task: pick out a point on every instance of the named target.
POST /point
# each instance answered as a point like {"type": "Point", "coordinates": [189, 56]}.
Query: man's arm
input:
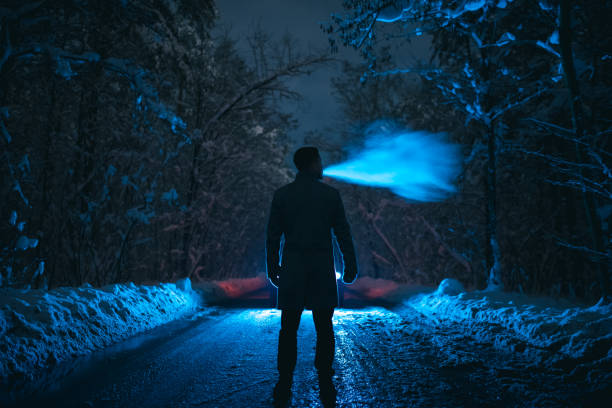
{"type": "Point", "coordinates": [342, 230]}
{"type": "Point", "coordinates": [273, 236]}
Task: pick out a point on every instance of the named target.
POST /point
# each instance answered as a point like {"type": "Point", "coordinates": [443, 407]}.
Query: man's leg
{"type": "Point", "coordinates": [287, 341]}
{"type": "Point", "coordinates": [287, 353]}
{"type": "Point", "coordinates": [324, 355]}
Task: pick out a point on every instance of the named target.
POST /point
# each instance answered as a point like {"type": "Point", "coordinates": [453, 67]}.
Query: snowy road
{"type": "Point", "coordinates": [226, 357]}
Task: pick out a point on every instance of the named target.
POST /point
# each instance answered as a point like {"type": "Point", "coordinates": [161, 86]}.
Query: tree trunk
{"type": "Point", "coordinates": [48, 174]}
{"type": "Point", "coordinates": [492, 250]}
{"type": "Point", "coordinates": [567, 60]}
{"type": "Point", "coordinates": [186, 268]}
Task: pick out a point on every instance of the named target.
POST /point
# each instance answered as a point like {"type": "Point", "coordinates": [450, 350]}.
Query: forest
{"type": "Point", "coordinates": [138, 144]}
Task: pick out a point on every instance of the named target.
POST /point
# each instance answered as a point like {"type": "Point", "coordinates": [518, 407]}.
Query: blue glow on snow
{"type": "Point", "coordinates": [393, 13]}
{"type": "Point", "coordinates": [262, 314]}
{"type": "Point", "coordinates": [339, 314]}
{"type": "Point", "coordinates": [417, 165]}
{"type": "Point", "coordinates": [390, 19]}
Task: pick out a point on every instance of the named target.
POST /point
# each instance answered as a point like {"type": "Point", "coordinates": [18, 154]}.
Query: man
{"type": "Point", "coordinates": [305, 212]}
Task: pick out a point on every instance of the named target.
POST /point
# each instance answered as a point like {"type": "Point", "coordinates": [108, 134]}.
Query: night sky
{"type": "Point", "coordinates": [318, 110]}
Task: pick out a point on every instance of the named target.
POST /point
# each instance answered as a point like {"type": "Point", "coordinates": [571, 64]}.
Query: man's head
{"type": "Point", "coordinates": [308, 160]}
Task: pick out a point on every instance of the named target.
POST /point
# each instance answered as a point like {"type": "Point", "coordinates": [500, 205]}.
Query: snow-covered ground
{"type": "Point", "coordinates": [435, 347]}
{"type": "Point", "coordinates": [39, 328]}
{"type": "Point", "coordinates": [548, 333]}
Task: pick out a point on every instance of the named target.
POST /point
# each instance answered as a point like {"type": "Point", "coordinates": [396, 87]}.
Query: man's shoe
{"type": "Point", "coordinates": [282, 393]}
{"type": "Point", "coordinates": [327, 391]}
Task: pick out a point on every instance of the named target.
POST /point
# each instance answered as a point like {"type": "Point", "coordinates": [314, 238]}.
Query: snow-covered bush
{"type": "Point", "coordinates": [39, 328]}
{"type": "Point", "coordinates": [549, 332]}
{"type": "Point", "coordinates": [19, 266]}
{"type": "Point", "coordinates": [450, 287]}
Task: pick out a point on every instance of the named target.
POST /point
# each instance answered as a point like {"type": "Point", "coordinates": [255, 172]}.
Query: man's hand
{"type": "Point", "coordinates": [274, 276]}
{"type": "Point", "coordinates": [349, 275]}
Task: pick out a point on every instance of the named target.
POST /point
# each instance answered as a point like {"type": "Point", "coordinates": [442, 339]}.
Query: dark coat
{"type": "Point", "coordinates": [305, 212]}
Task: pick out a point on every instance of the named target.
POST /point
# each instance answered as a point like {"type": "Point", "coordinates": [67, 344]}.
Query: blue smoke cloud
{"type": "Point", "coordinates": [416, 165]}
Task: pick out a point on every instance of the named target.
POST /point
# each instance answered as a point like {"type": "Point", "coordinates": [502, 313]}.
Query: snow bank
{"type": "Point", "coordinates": [372, 288]}
{"type": "Point", "coordinates": [39, 328]}
{"type": "Point", "coordinates": [219, 291]}
{"type": "Point", "coordinates": [450, 287]}
{"type": "Point", "coordinates": [237, 287]}
{"type": "Point", "coordinates": [549, 331]}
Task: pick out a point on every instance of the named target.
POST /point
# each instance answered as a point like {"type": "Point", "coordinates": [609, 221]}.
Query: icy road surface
{"type": "Point", "coordinates": [226, 357]}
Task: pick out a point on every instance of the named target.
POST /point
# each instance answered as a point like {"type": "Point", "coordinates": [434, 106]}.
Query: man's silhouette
{"type": "Point", "coordinates": [305, 212]}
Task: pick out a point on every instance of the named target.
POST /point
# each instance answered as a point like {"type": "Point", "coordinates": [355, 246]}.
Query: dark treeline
{"type": "Point", "coordinates": [138, 146]}
{"type": "Point", "coordinates": [524, 87]}
{"type": "Point", "coordinates": [135, 146]}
